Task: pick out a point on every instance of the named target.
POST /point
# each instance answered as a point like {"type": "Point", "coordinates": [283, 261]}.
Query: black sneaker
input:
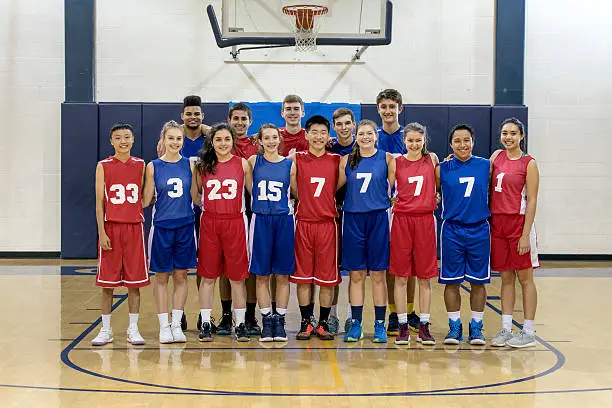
{"type": "Point", "coordinates": [225, 327]}
{"type": "Point", "coordinates": [279, 328]}
{"type": "Point", "coordinates": [306, 330]}
{"type": "Point", "coordinates": [253, 327]}
{"type": "Point", "coordinates": [242, 334]}
{"type": "Point", "coordinates": [205, 332]}
{"type": "Point", "coordinates": [393, 326]}
{"type": "Point", "coordinates": [184, 322]}
{"type": "Point", "coordinates": [413, 322]}
{"type": "Point", "coordinates": [213, 328]}
{"type": "Point", "coordinates": [267, 333]}
{"type": "Point", "coordinates": [322, 331]}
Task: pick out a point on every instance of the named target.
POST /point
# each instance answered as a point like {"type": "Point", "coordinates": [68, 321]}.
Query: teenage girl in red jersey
{"type": "Point", "coordinates": [121, 254]}
{"type": "Point", "coordinates": [514, 197]}
{"type": "Point", "coordinates": [413, 229]}
{"type": "Point", "coordinates": [218, 183]}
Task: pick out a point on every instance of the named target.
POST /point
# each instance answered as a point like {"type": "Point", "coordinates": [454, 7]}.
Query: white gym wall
{"type": "Point", "coordinates": [442, 53]}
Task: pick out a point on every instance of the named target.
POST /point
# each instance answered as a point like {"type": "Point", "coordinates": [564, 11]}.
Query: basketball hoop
{"type": "Point", "coordinates": [306, 20]}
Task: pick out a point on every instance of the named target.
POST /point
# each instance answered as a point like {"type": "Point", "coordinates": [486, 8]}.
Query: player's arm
{"type": "Point", "coordinates": [105, 243]}
{"type": "Point", "coordinates": [252, 161]}
{"type": "Point", "coordinates": [391, 166]}
{"type": "Point", "coordinates": [196, 187]}
{"type": "Point", "coordinates": [342, 172]}
{"type": "Point", "coordinates": [204, 129]}
{"type": "Point", "coordinates": [437, 171]}
{"type": "Point", "coordinates": [436, 162]}
{"type": "Point", "coordinates": [248, 176]}
{"type": "Point", "coordinates": [491, 160]}
{"type": "Point", "coordinates": [533, 184]}
{"type": "Point", "coordinates": [149, 186]}
{"type": "Point", "coordinates": [293, 180]}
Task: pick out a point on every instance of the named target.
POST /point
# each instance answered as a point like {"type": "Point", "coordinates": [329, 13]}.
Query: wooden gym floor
{"type": "Point", "coordinates": [52, 312]}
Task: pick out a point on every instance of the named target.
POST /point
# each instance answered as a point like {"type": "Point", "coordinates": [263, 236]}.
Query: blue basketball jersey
{"type": "Point", "coordinates": [271, 187]}
{"type": "Point", "coordinates": [465, 190]}
{"type": "Point", "coordinates": [341, 150]}
{"type": "Point", "coordinates": [392, 143]}
{"type": "Point", "coordinates": [367, 188]}
{"type": "Point", "coordinates": [192, 147]}
{"type": "Point", "coordinates": [172, 193]}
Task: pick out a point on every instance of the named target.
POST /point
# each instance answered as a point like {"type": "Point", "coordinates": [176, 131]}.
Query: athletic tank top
{"type": "Point", "coordinates": [415, 182]}
{"type": "Point", "coordinates": [392, 143]}
{"type": "Point", "coordinates": [317, 178]}
{"type": "Point", "coordinates": [222, 192]}
{"type": "Point", "coordinates": [271, 187]}
{"type": "Point", "coordinates": [172, 207]}
{"type": "Point", "coordinates": [296, 142]}
{"type": "Point", "coordinates": [509, 184]}
{"type": "Point", "coordinates": [465, 190]}
{"type": "Point", "coordinates": [367, 187]}
{"type": "Point", "coordinates": [122, 189]}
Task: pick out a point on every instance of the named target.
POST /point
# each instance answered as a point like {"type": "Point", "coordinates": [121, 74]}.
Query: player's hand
{"type": "Point", "coordinates": [393, 200]}
{"type": "Point", "coordinates": [105, 243]}
{"type": "Point", "coordinates": [438, 198]}
{"type": "Point", "coordinates": [524, 245]}
{"type": "Point", "coordinates": [330, 143]}
{"type": "Point", "coordinates": [447, 158]}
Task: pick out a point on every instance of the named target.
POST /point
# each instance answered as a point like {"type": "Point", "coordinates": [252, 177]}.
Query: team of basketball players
{"type": "Point", "coordinates": [364, 202]}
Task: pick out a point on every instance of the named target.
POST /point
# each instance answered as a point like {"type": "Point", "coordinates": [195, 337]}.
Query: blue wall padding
{"type": "Point", "coordinates": [435, 118]}
{"type": "Point", "coordinates": [154, 115]}
{"type": "Point", "coordinates": [499, 114]}
{"type": "Point", "coordinates": [79, 149]}
{"type": "Point", "coordinates": [111, 113]}
{"type": "Point", "coordinates": [270, 112]}
{"type": "Point", "coordinates": [479, 118]}
{"type": "Point", "coordinates": [215, 112]}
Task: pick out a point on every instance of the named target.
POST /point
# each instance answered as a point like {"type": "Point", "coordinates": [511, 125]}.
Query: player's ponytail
{"type": "Point", "coordinates": [355, 154]}
{"type": "Point", "coordinates": [207, 157]}
{"type": "Point", "coordinates": [418, 128]}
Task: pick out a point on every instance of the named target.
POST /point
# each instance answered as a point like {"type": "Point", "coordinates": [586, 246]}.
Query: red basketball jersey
{"type": "Point", "coordinates": [222, 191]}
{"type": "Point", "coordinates": [508, 184]}
{"type": "Point", "coordinates": [415, 182]}
{"type": "Point", "coordinates": [317, 178]}
{"type": "Point", "coordinates": [293, 141]}
{"type": "Point", "coordinates": [122, 189]}
{"type": "Point", "coordinates": [245, 148]}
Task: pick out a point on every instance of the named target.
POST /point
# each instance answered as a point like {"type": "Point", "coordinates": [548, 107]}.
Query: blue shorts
{"type": "Point", "coordinates": [465, 253]}
{"type": "Point", "coordinates": [271, 241]}
{"type": "Point", "coordinates": [365, 241]}
{"type": "Point", "coordinates": [172, 248]}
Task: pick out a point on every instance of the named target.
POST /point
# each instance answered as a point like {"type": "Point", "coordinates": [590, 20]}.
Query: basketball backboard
{"type": "Point", "coordinates": [262, 22]}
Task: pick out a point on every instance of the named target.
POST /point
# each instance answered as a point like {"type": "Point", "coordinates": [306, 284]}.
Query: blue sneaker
{"type": "Point", "coordinates": [267, 333]}
{"type": "Point", "coordinates": [476, 337]}
{"type": "Point", "coordinates": [279, 328]}
{"type": "Point", "coordinates": [455, 332]}
{"type": "Point", "coordinates": [355, 333]}
{"type": "Point", "coordinates": [380, 334]}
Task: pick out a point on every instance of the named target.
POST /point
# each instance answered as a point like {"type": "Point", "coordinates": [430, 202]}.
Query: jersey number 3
{"type": "Point", "coordinates": [120, 193]}
{"type": "Point", "coordinates": [215, 186]}
{"type": "Point", "coordinates": [177, 187]}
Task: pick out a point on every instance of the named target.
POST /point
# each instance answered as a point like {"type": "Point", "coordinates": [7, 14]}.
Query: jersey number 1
{"type": "Point", "coordinates": [499, 177]}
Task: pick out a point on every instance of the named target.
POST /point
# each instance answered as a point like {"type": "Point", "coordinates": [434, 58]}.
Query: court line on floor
{"type": "Point", "coordinates": [489, 349]}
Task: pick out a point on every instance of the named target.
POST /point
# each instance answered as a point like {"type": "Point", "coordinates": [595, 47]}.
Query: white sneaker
{"type": "Point", "coordinates": [522, 340]}
{"type": "Point", "coordinates": [165, 335]}
{"type": "Point", "coordinates": [104, 337]}
{"type": "Point", "coordinates": [134, 337]}
{"type": "Point", "coordinates": [501, 338]}
{"type": "Point", "coordinates": [177, 333]}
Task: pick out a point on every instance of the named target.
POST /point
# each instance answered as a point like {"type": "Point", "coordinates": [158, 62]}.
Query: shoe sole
{"type": "Point", "coordinates": [477, 342]}
{"type": "Point", "coordinates": [101, 344]}
{"type": "Point", "coordinates": [266, 339]}
{"type": "Point", "coordinates": [426, 342]}
{"type": "Point", "coordinates": [532, 344]}
{"type": "Point", "coordinates": [180, 341]}
{"type": "Point", "coordinates": [280, 339]}
{"type": "Point", "coordinates": [402, 342]}
{"type": "Point", "coordinates": [136, 342]}
{"type": "Point", "coordinates": [452, 342]}
{"type": "Point", "coordinates": [498, 344]}
{"type": "Point", "coordinates": [379, 341]}
{"type": "Point", "coordinates": [243, 339]}
{"type": "Point", "coordinates": [166, 342]}
{"type": "Point", "coordinates": [205, 340]}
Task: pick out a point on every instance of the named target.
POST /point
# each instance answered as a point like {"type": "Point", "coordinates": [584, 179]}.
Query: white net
{"type": "Point", "coordinates": [305, 21]}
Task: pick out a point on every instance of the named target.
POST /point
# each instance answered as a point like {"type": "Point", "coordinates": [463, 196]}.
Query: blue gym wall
{"type": "Point", "coordinates": [85, 140]}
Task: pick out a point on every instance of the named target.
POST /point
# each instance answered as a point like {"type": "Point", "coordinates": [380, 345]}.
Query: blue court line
{"type": "Point", "coordinates": [493, 298]}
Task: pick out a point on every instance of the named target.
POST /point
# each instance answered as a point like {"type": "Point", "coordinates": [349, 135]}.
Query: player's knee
{"type": "Point", "coordinates": [525, 280]}
{"type": "Point", "coordinates": [378, 277]}
{"type": "Point", "coordinates": [358, 276]}
{"type": "Point", "coordinates": [508, 278]}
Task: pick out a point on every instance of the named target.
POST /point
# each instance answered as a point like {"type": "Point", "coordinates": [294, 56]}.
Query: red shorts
{"type": "Point", "coordinates": [413, 246]}
{"type": "Point", "coordinates": [506, 229]}
{"type": "Point", "coordinates": [222, 250]}
{"type": "Point", "coordinates": [126, 263]}
{"type": "Point", "coordinates": [316, 253]}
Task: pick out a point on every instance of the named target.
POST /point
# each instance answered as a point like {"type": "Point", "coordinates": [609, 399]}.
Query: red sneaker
{"type": "Point", "coordinates": [424, 336]}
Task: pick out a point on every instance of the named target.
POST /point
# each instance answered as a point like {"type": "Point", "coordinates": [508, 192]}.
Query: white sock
{"type": "Point", "coordinates": [240, 313]}
{"type": "Point", "coordinates": [205, 313]}
{"type": "Point", "coordinates": [265, 311]}
{"type": "Point", "coordinates": [163, 319]}
{"type": "Point", "coordinates": [507, 322]}
{"type": "Point", "coordinates": [106, 321]}
{"type": "Point", "coordinates": [425, 317]}
{"type": "Point", "coordinates": [528, 327]}
{"type": "Point", "coordinates": [349, 313]}
{"type": "Point", "coordinates": [402, 318]}
{"type": "Point", "coordinates": [334, 311]}
{"type": "Point", "coordinates": [454, 316]}
{"type": "Point", "coordinates": [177, 315]}
{"type": "Point", "coordinates": [133, 319]}
{"type": "Point", "coordinates": [281, 311]}
{"type": "Point", "coordinates": [477, 316]}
